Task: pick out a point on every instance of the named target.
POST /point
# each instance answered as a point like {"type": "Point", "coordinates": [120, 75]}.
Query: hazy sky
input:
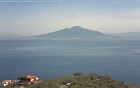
{"type": "Point", "coordinates": [33, 18]}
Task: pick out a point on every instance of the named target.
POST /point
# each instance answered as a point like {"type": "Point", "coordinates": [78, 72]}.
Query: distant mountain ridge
{"type": "Point", "coordinates": [128, 34]}
{"type": "Point", "coordinates": [79, 33]}
{"type": "Point", "coordinates": [75, 32]}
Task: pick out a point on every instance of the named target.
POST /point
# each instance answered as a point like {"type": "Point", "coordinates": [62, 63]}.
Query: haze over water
{"type": "Point", "coordinates": [49, 59]}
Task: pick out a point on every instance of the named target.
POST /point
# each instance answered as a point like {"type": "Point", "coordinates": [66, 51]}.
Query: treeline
{"type": "Point", "coordinates": [81, 81]}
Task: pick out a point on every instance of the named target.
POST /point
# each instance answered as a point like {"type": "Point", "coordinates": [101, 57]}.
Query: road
{"type": "Point", "coordinates": [64, 86]}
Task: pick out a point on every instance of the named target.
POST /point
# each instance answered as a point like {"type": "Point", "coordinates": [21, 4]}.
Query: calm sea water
{"type": "Point", "coordinates": [49, 59]}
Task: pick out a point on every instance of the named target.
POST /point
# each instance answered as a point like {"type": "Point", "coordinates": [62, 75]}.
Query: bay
{"type": "Point", "coordinates": [49, 59]}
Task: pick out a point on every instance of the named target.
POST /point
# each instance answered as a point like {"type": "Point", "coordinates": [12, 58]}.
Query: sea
{"type": "Point", "coordinates": [49, 59]}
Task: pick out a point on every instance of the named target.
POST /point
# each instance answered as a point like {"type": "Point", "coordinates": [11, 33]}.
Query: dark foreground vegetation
{"type": "Point", "coordinates": [80, 81]}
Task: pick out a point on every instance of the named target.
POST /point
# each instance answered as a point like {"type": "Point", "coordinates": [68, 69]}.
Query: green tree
{"type": "Point", "coordinates": [78, 74]}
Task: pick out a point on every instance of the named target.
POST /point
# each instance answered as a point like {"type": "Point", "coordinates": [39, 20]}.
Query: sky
{"type": "Point", "coordinates": [35, 17]}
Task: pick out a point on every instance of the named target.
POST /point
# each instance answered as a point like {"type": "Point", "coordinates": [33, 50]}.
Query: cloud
{"type": "Point", "coordinates": [76, 14]}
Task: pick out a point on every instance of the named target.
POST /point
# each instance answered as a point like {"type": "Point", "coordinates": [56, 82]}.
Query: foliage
{"type": "Point", "coordinates": [23, 79]}
{"type": "Point", "coordinates": [78, 74]}
{"type": "Point", "coordinates": [82, 81]}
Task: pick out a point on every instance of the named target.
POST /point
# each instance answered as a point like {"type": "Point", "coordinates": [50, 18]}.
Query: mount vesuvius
{"type": "Point", "coordinates": [75, 32]}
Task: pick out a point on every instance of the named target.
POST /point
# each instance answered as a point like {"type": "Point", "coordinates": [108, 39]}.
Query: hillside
{"type": "Point", "coordinates": [81, 81]}
{"type": "Point", "coordinates": [75, 32]}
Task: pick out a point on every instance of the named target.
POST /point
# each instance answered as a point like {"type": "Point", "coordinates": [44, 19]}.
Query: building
{"type": "Point", "coordinates": [6, 82]}
{"type": "Point", "coordinates": [28, 79]}
{"type": "Point", "coordinates": [33, 78]}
